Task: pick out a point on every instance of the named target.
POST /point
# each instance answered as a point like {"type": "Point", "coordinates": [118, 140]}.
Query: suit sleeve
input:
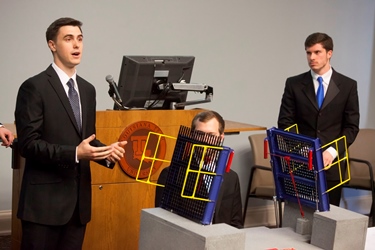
{"type": "Point", "coordinates": [89, 104]}
{"type": "Point", "coordinates": [287, 113]}
{"type": "Point", "coordinates": [159, 190]}
{"type": "Point", "coordinates": [351, 116]}
{"type": "Point", "coordinates": [237, 217]}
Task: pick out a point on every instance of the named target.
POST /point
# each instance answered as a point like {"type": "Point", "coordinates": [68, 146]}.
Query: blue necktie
{"type": "Point", "coordinates": [320, 92]}
{"type": "Point", "coordinates": [74, 102]}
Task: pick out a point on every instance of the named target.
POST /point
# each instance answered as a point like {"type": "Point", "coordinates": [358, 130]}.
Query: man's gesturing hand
{"type": "Point", "coordinates": [118, 151]}
{"type": "Point", "coordinates": [87, 152]}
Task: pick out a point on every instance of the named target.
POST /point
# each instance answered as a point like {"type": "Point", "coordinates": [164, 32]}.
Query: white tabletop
{"type": "Point", "coordinates": [370, 239]}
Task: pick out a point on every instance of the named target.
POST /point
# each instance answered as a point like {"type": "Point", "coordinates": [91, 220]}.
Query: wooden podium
{"type": "Point", "coordinates": [117, 198]}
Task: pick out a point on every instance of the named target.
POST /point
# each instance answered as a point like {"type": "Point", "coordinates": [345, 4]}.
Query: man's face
{"type": "Point", "coordinates": [68, 47]}
{"type": "Point", "coordinates": [211, 127]}
{"type": "Point", "coordinates": [318, 58]}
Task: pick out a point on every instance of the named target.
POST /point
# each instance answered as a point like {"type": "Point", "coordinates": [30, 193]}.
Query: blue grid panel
{"type": "Point", "coordinates": [195, 210]}
{"type": "Point", "coordinates": [289, 152]}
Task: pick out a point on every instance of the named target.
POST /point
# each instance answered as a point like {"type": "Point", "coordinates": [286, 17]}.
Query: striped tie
{"type": "Point", "coordinates": [74, 102]}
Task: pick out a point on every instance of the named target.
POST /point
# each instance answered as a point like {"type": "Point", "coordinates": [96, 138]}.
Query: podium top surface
{"type": "Point", "coordinates": [231, 127]}
{"type": "Point", "coordinates": [236, 127]}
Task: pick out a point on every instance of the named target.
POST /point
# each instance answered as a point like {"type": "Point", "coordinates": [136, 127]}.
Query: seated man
{"type": "Point", "coordinates": [228, 205]}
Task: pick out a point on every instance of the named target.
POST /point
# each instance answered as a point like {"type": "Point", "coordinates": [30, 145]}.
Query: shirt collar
{"type": "Point", "coordinates": [64, 78]}
{"type": "Point", "coordinates": [326, 76]}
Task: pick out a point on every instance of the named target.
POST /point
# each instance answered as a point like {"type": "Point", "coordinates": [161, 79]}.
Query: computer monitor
{"type": "Point", "coordinates": [144, 81]}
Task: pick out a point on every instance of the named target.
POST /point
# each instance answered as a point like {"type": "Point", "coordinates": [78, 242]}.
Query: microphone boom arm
{"type": "Point", "coordinates": [111, 93]}
{"type": "Point", "coordinates": [114, 94]}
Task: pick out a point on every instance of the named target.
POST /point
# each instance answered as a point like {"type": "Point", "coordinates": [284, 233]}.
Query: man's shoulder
{"type": "Point", "coordinates": [39, 78]}
{"type": "Point", "coordinates": [82, 82]}
{"type": "Point", "coordinates": [340, 77]}
{"type": "Point", "coordinates": [164, 171]}
{"type": "Point", "coordinates": [305, 75]}
{"type": "Point", "coordinates": [231, 175]}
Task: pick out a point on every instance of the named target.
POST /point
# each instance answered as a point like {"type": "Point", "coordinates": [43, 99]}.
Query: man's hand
{"type": "Point", "coordinates": [6, 136]}
{"type": "Point", "coordinates": [118, 151]}
{"type": "Point", "coordinates": [327, 158]}
{"type": "Point", "coordinates": [87, 152]}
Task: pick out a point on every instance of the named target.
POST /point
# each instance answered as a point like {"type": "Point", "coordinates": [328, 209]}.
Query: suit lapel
{"type": "Point", "coordinates": [309, 90]}
{"type": "Point", "coordinates": [332, 90]}
{"type": "Point", "coordinates": [84, 103]}
{"type": "Point", "coordinates": [60, 91]}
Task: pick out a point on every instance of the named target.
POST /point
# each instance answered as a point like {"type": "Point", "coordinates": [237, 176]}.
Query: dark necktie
{"type": "Point", "coordinates": [74, 102]}
{"type": "Point", "coordinates": [320, 92]}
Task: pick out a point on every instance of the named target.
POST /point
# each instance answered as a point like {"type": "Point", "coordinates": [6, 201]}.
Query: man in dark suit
{"type": "Point", "coordinates": [338, 114]}
{"type": "Point", "coordinates": [6, 136]}
{"type": "Point", "coordinates": [228, 207]}
{"type": "Point", "coordinates": [56, 135]}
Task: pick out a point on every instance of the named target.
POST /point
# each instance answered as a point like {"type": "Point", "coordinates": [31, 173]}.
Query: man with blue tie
{"type": "Point", "coordinates": [323, 103]}
{"type": "Point", "coordinates": [55, 119]}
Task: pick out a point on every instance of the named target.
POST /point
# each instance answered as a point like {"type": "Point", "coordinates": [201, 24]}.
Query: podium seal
{"type": "Point", "coordinates": [136, 135]}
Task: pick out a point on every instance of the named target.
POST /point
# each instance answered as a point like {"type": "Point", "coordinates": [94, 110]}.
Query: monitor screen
{"type": "Point", "coordinates": [144, 81]}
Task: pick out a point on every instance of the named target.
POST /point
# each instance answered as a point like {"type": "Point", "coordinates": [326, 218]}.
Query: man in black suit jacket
{"type": "Point", "coordinates": [228, 207]}
{"type": "Point", "coordinates": [55, 197]}
{"type": "Point", "coordinates": [339, 113]}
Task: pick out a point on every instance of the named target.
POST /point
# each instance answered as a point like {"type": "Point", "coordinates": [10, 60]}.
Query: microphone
{"type": "Point", "coordinates": [113, 86]}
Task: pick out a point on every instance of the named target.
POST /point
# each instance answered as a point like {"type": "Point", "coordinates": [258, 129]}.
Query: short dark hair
{"type": "Point", "coordinates": [53, 29]}
{"type": "Point", "coordinates": [321, 38]}
{"type": "Point", "coordinates": [205, 116]}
